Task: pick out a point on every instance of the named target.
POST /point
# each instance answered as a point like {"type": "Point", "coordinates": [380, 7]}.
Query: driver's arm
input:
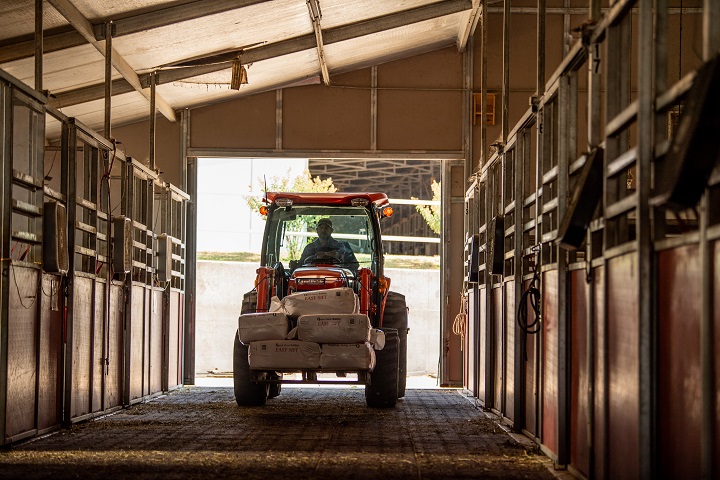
{"type": "Point", "coordinates": [308, 251]}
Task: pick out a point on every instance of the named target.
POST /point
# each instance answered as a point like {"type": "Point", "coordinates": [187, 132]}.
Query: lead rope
{"type": "Point", "coordinates": [461, 320]}
{"type": "Point", "coordinates": [533, 294]}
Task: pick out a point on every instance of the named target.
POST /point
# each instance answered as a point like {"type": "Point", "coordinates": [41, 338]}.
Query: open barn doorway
{"type": "Point", "coordinates": [229, 235]}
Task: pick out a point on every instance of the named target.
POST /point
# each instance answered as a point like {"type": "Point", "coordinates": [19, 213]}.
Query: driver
{"type": "Point", "coordinates": [327, 248]}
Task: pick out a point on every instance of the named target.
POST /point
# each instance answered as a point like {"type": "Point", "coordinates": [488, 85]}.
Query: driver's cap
{"type": "Point", "coordinates": [324, 221]}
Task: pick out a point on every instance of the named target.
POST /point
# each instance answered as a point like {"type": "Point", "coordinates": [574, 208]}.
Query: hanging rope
{"type": "Point", "coordinates": [459, 325]}
{"type": "Point", "coordinates": [531, 294]}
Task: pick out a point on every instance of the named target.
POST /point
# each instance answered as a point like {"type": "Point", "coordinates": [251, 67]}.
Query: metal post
{"type": "Point", "coordinates": [153, 121]}
{"type": "Point", "coordinates": [711, 28]}
{"type": "Point", "coordinates": [373, 107]}
{"type": "Point", "coordinates": [540, 154]}
{"type": "Point", "coordinates": [483, 84]}
{"type": "Point", "coordinates": [647, 378]}
{"type": "Point", "coordinates": [594, 139]}
{"type": "Point", "coordinates": [190, 279]}
{"type": "Point", "coordinates": [711, 45]}
{"type": "Point", "coordinates": [184, 144]}
{"type": "Point", "coordinates": [71, 220]}
{"type": "Point", "coordinates": [506, 71]}
{"type": "Point", "coordinates": [5, 226]}
{"type": "Point", "coordinates": [278, 119]}
{"type": "Point", "coordinates": [108, 77]}
{"type": "Point", "coordinates": [467, 107]}
{"type": "Point", "coordinates": [39, 45]}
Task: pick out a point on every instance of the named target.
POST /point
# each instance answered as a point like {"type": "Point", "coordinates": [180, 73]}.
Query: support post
{"type": "Point", "coordinates": [39, 45]}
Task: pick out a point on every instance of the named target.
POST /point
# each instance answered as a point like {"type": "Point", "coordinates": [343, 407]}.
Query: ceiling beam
{"type": "Point", "coordinates": [85, 28]}
{"type": "Point", "coordinates": [469, 30]}
{"type": "Point", "coordinates": [315, 17]}
{"type": "Point", "coordinates": [22, 47]}
{"type": "Point", "coordinates": [222, 61]}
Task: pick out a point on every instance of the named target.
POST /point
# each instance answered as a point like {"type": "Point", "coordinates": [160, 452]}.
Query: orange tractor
{"type": "Point", "coordinates": [322, 247]}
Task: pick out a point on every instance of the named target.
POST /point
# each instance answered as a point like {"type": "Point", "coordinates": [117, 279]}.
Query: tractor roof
{"type": "Point", "coordinates": [338, 198]}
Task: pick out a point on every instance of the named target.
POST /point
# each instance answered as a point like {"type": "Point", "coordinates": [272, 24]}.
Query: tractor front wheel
{"type": "Point", "coordinates": [382, 391]}
{"type": "Point", "coordinates": [247, 392]}
{"type": "Point", "coordinates": [396, 316]}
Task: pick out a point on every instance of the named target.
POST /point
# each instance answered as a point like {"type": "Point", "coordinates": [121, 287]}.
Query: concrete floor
{"type": "Point", "coordinates": [313, 433]}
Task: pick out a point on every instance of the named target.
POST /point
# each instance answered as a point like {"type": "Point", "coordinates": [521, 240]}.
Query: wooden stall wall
{"type": "Point", "coordinates": [716, 351]}
{"type": "Point", "coordinates": [622, 455]}
{"type": "Point", "coordinates": [579, 375]}
{"type": "Point", "coordinates": [549, 362]}
{"type": "Point", "coordinates": [22, 344]}
{"type": "Point", "coordinates": [679, 368]}
{"type": "Point", "coordinates": [50, 360]}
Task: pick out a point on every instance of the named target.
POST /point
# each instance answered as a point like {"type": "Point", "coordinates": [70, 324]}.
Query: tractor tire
{"type": "Point", "coordinates": [396, 316]}
{"type": "Point", "coordinates": [247, 392]}
{"type": "Point", "coordinates": [249, 303]}
{"type": "Point", "coordinates": [382, 392]}
{"type": "Point", "coordinates": [274, 388]}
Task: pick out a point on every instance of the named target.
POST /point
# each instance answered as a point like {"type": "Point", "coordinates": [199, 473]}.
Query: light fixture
{"type": "Point", "coordinates": [239, 74]}
{"type": "Point", "coordinates": [387, 212]}
{"type": "Point", "coordinates": [284, 202]}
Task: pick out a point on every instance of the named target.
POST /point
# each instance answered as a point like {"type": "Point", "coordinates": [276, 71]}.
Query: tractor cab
{"type": "Point", "coordinates": [316, 241]}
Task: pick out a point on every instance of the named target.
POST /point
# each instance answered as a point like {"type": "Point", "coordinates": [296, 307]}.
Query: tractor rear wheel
{"type": "Point", "coordinates": [396, 316]}
{"type": "Point", "coordinates": [382, 392]}
{"type": "Point", "coordinates": [247, 392]}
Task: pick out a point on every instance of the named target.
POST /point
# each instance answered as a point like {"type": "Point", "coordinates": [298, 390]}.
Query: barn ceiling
{"type": "Point", "coordinates": [191, 47]}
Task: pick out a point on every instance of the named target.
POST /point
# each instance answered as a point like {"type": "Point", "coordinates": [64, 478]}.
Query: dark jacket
{"type": "Point", "coordinates": [345, 253]}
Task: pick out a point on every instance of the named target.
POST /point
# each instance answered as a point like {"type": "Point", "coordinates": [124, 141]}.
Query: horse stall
{"type": "Point", "coordinates": [595, 321]}
{"type": "Point", "coordinates": [89, 321]}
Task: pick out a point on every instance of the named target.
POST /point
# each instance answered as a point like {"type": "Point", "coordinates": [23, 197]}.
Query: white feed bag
{"type": "Point", "coordinates": [348, 356]}
{"type": "Point", "coordinates": [283, 355]}
{"type": "Point", "coordinates": [334, 328]}
{"type": "Point", "coordinates": [262, 326]}
{"type": "Point", "coordinates": [377, 339]}
{"type": "Point", "coordinates": [332, 300]}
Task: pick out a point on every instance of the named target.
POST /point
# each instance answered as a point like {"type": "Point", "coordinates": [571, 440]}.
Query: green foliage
{"type": "Point", "coordinates": [301, 183]}
{"type": "Point", "coordinates": [431, 213]}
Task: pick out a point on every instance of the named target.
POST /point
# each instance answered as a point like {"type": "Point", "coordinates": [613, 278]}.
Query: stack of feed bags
{"type": "Point", "coordinates": [330, 334]}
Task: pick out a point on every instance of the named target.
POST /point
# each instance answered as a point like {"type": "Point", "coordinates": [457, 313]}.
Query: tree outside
{"type": "Point", "coordinates": [431, 213]}
{"type": "Point", "coordinates": [287, 183]}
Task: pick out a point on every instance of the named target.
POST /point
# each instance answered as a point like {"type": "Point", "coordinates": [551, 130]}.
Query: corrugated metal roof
{"type": "Point", "coordinates": [191, 44]}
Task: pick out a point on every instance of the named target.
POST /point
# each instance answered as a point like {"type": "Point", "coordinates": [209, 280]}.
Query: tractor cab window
{"type": "Point", "coordinates": [307, 235]}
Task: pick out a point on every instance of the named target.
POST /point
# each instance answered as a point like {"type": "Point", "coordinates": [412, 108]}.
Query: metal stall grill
{"type": "Point", "coordinates": [629, 310]}
{"type": "Point", "coordinates": [172, 205]}
{"type": "Point", "coordinates": [143, 317]}
{"type": "Point", "coordinates": [94, 358]}
{"type": "Point", "coordinates": [23, 317]}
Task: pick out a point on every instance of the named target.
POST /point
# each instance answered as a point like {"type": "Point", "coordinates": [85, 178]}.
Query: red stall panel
{"type": "Point", "coordinates": [137, 341]}
{"type": "Point", "coordinates": [98, 356]}
{"type": "Point", "coordinates": [82, 319]}
{"type": "Point", "coordinates": [531, 387]}
{"type": "Point", "coordinates": [498, 337]}
{"type": "Point", "coordinates": [510, 350]}
{"type": "Point", "coordinates": [679, 372]}
{"type": "Point", "coordinates": [715, 247]}
{"type": "Point", "coordinates": [550, 360]}
{"type": "Point", "coordinates": [579, 408]}
{"type": "Point", "coordinates": [114, 379]}
{"type": "Point", "coordinates": [51, 342]}
{"type": "Point", "coordinates": [599, 351]}
{"type": "Point", "coordinates": [175, 339]}
{"type": "Point", "coordinates": [622, 367]}
{"type": "Point", "coordinates": [156, 340]}
{"type": "Point", "coordinates": [22, 349]}
{"type": "Point", "coordinates": [482, 348]}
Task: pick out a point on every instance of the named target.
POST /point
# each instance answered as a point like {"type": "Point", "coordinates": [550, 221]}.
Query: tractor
{"type": "Point", "coordinates": [287, 271]}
